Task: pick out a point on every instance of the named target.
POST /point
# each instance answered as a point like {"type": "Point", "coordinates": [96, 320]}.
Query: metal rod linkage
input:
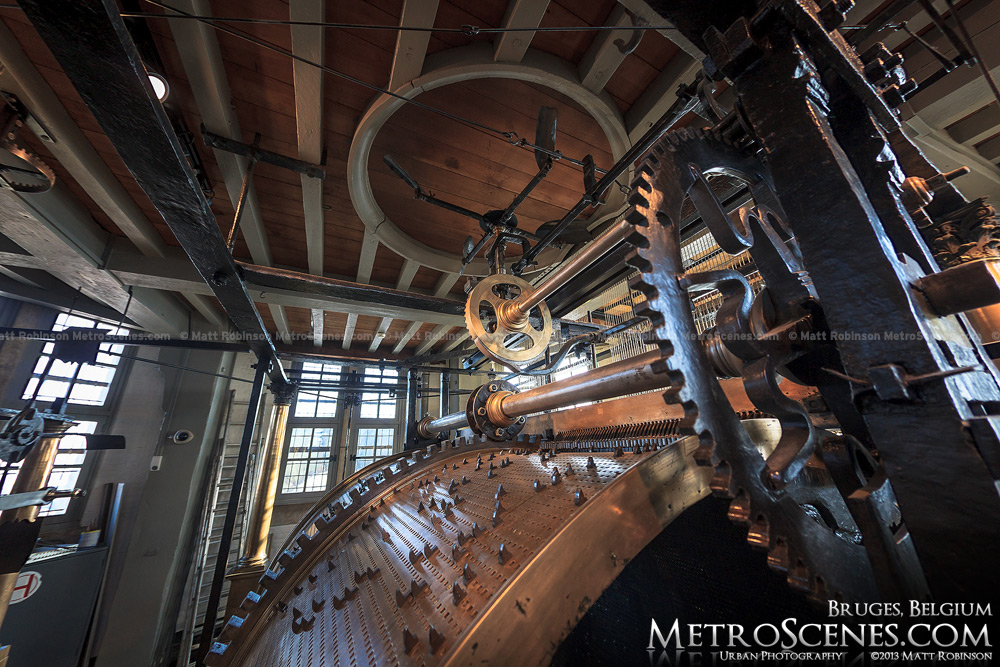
{"type": "Point", "coordinates": [516, 310]}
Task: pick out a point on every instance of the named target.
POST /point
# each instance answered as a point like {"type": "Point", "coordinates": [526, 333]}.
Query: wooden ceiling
{"type": "Point", "coordinates": [458, 163]}
{"type": "Point", "coordinates": [466, 166]}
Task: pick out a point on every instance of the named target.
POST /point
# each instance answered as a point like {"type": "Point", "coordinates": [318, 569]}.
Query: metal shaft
{"type": "Point", "coordinates": [618, 379]}
{"type": "Point", "coordinates": [450, 422]}
{"type": "Point", "coordinates": [580, 261]}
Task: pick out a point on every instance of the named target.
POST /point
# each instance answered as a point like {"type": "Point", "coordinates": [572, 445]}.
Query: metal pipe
{"type": "Point", "coordinates": [629, 376]}
{"type": "Point", "coordinates": [577, 263]}
{"type": "Point", "coordinates": [618, 379]}
{"type": "Point", "coordinates": [455, 420]}
{"type": "Point", "coordinates": [244, 193]}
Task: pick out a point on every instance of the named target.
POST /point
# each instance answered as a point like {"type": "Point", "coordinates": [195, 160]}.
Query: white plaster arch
{"type": "Point", "coordinates": [463, 64]}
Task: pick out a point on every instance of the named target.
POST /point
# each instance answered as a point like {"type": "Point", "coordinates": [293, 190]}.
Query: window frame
{"type": "Point", "coordinates": [346, 425]}
{"type": "Point", "coordinates": [103, 415]}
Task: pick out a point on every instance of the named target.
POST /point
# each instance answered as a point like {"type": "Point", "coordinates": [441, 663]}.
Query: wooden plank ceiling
{"type": "Point", "coordinates": [456, 162]}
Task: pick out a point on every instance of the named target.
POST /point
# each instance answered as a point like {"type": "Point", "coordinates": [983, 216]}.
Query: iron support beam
{"type": "Point", "coordinates": [445, 392]}
{"type": "Point", "coordinates": [94, 48]}
{"type": "Point", "coordinates": [447, 310]}
{"type": "Point", "coordinates": [229, 526]}
{"type": "Point", "coordinates": [413, 385]}
{"type": "Point", "coordinates": [252, 152]}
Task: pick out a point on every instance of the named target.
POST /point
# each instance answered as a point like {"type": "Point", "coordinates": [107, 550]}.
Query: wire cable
{"type": "Point", "coordinates": [511, 136]}
{"type": "Point", "coordinates": [465, 29]}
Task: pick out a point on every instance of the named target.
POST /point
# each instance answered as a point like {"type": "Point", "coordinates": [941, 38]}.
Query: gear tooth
{"type": "Point", "coordinates": [639, 263]}
{"type": "Point", "coordinates": [636, 199]}
{"type": "Point", "coordinates": [798, 576]}
{"type": "Point", "coordinates": [819, 593]}
{"type": "Point", "coordinates": [639, 285]}
{"type": "Point", "coordinates": [636, 239]}
{"type": "Point", "coordinates": [656, 320]}
{"type": "Point", "coordinates": [722, 481]}
{"type": "Point", "coordinates": [645, 172]}
{"type": "Point", "coordinates": [777, 557]}
{"type": "Point", "coordinates": [706, 455]}
{"type": "Point", "coordinates": [660, 366]}
{"type": "Point", "coordinates": [739, 509]}
{"type": "Point", "coordinates": [759, 535]}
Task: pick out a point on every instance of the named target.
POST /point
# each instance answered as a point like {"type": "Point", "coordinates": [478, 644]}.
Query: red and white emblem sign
{"type": "Point", "coordinates": [27, 585]}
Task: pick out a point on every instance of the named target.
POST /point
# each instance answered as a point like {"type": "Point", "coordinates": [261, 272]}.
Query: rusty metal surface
{"type": "Point", "coordinates": [467, 552]}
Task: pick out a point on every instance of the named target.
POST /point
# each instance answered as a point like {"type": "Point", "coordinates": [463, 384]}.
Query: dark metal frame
{"type": "Point", "coordinates": [837, 177]}
{"type": "Point", "coordinates": [94, 48]}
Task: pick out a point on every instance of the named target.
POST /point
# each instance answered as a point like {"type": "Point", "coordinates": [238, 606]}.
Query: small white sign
{"type": "Point", "coordinates": [27, 585]}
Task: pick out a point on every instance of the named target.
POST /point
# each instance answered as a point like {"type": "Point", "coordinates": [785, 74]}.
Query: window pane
{"type": "Point", "coordinates": [305, 406]}
{"type": "Point", "coordinates": [66, 469]}
{"type": "Point", "coordinates": [373, 444]}
{"type": "Point", "coordinates": [318, 472]}
{"type": "Point", "coordinates": [294, 476]}
{"type": "Point", "coordinates": [307, 464]}
{"type": "Point", "coordinates": [316, 402]}
{"type": "Point", "coordinates": [97, 376]}
{"type": "Point", "coordinates": [379, 405]}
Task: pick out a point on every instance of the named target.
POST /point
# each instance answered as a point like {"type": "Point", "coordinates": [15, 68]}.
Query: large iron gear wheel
{"type": "Point", "coordinates": [805, 527]}
{"type": "Point", "coordinates": [23, 171]}
{"type": "Point", "coordinates": [467, 552]}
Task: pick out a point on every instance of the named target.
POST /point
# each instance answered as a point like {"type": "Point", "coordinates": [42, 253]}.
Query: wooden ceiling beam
{"type": "Point", "coordinates": [978, 126]}
{"type": "Point", "coordinates": [201, 57]}
{"type": "Point", "coordinates": [308, 42]}
{"type": "Point", "coordinates": [365, 264]}
{"type": "Point", "coordinates": [443, 287]}
{"type": "Point", "coordinates": [71, 148]}
{"type": "Point", "coordinates": [54, 227]}
{"type": "Point", "coordinates": [77, 155]}
{"type": "Point", "coordinates": [411, 45]}
{"type": "Point", "coordinates": [432, 338]}
{"type": "Point", "coordinates": [44, 289]}
{"type": "Point", "coordinates": [642, 9]}
{"type": "Point", "coordinates": [603, 58]}
{"type": "Point", "coordinates": [402, 283]}
{"type": "Point", "coordinates": [946, 154]}
{"type": "Point", "coordinates": [660, 95]}
{"type": "Point", "coordinates": [510, 47]}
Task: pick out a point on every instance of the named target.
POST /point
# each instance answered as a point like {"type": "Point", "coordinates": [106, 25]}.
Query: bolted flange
{"type": "Point", "coordinates": [485, 414]}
